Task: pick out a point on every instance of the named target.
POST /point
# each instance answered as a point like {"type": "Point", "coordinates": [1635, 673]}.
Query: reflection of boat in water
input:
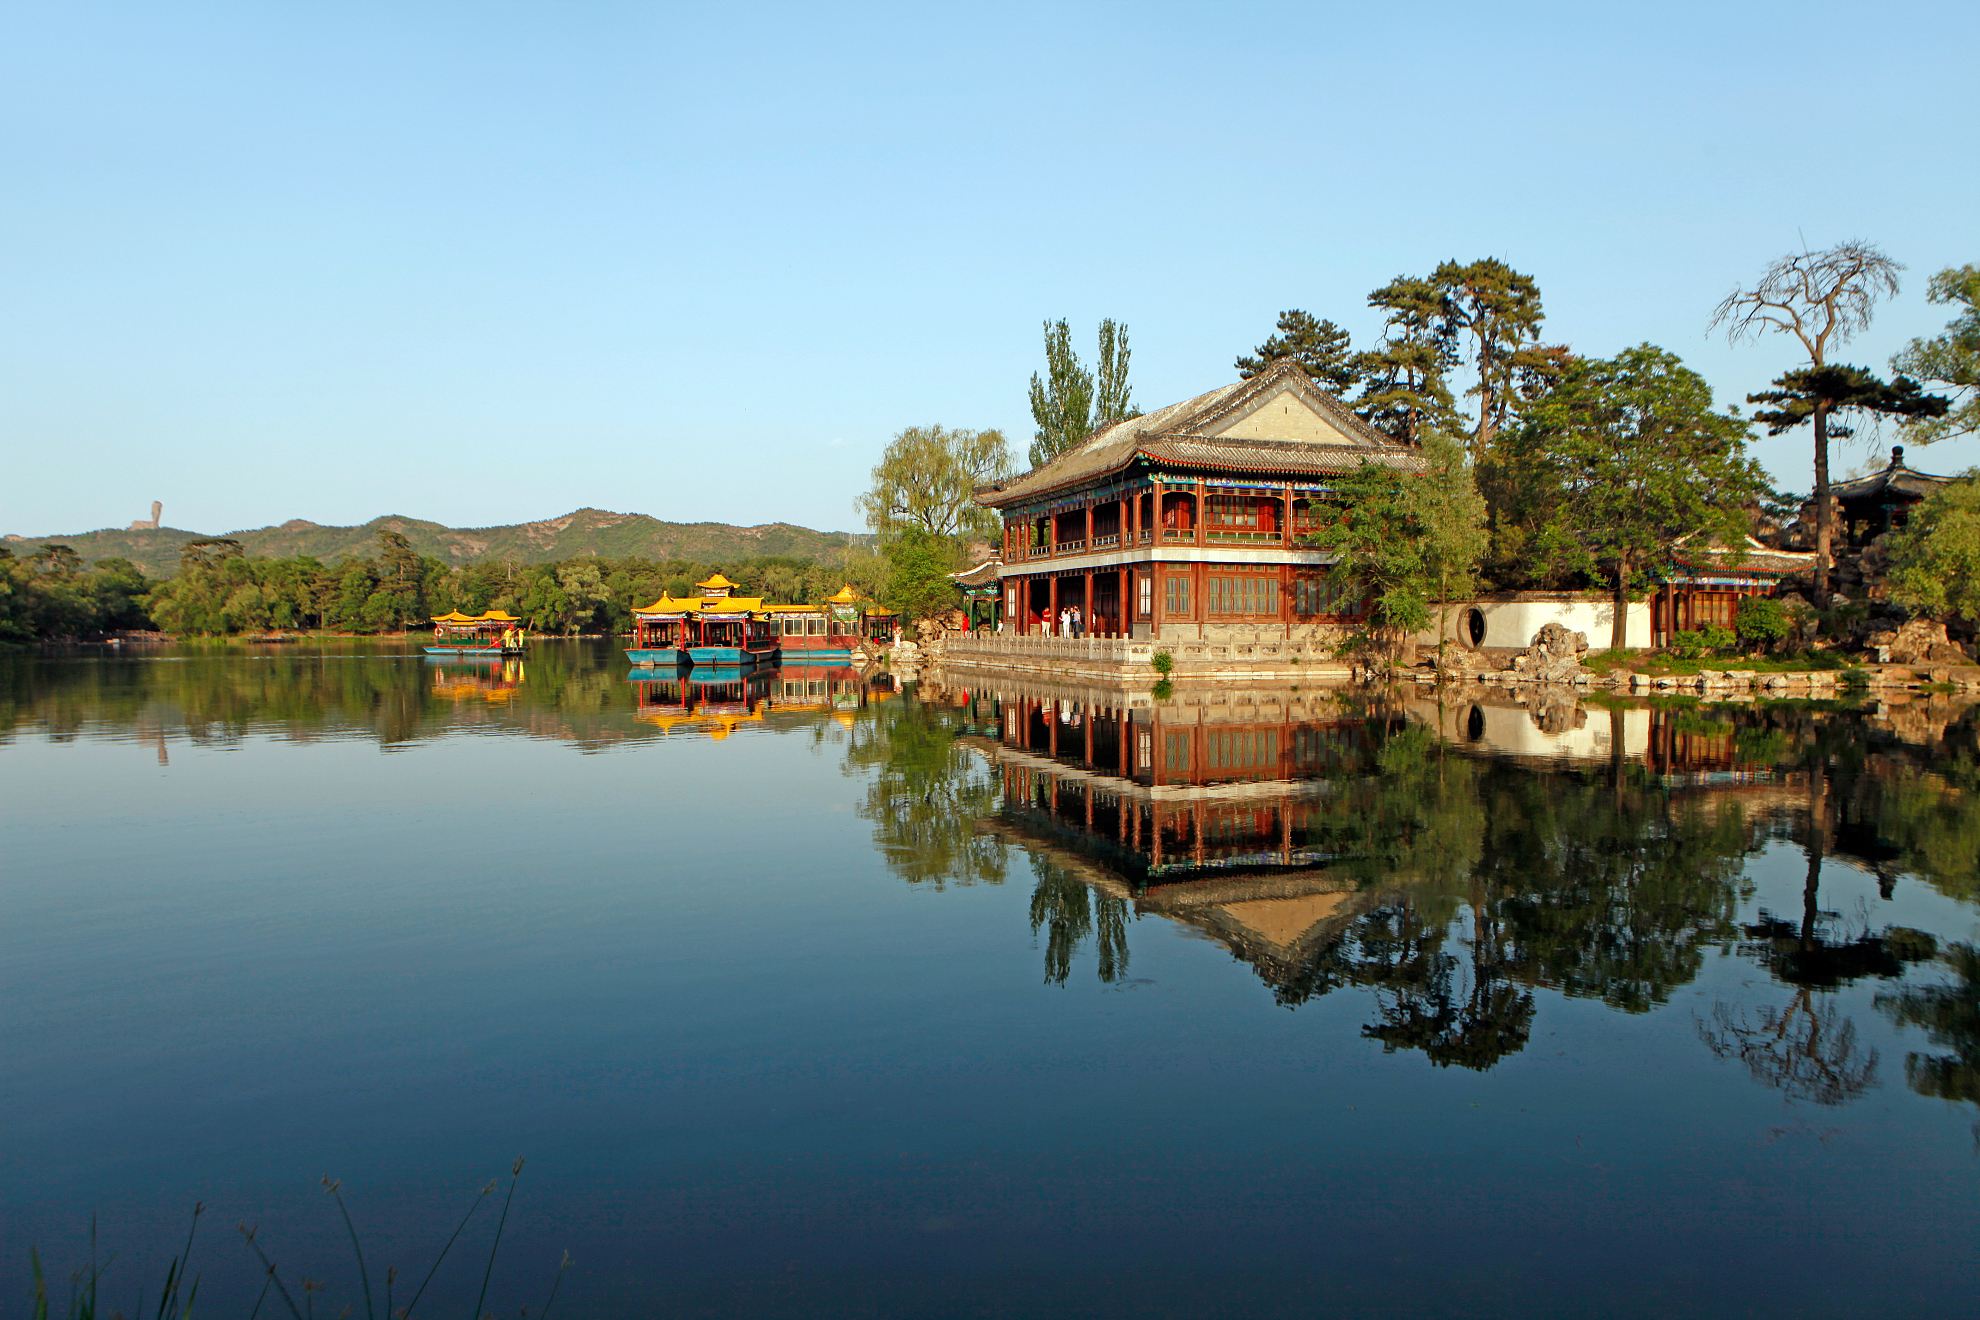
{"type": "Point", "coordinates": [485, 680]}
{"type": "Point", "coordinates": [721, 700]}
{"type": "Point", "coordinates": [803, 686]}
{"type": "Point", "coordinates": [712, 627]}
{"type": "Point", "coordinates": [711, 701]}
{"type": "Point", "coordinates": [492, 633]}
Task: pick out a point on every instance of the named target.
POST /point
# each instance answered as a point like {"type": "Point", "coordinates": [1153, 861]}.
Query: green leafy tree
{"type": "Point", "coordinates": [1624, 458]}
{"type": "Point", "coordinates": [583, 587]}
{"type": "Point", "coordinates": [1451, 521]}
{"type": "Point", "coordinates": [918, 567]}
{"type": "Point", "coordinates": [1404, 389]}
{"type": "Point", "coordinates": [1950, 361]}
{"type": "Point", "coordinates": [1762, 623]}
{"type": "Point", "coordinates": [927, 479]}
{"type": "Point", "coordinates": [1935, 556]}
{"type": "Point", "coordinates": [1496, 309]}
{"type": "Point", "coordinates": [1069, 403]}
{"type": "Point", "coordinates": [1404, 540]}
{"type": "Point", "coordinates": [399, 599]}
{"type": "Point", "coordinates": [1320, 347]}
{"type": "Point", "coordinates": [1823, 299]}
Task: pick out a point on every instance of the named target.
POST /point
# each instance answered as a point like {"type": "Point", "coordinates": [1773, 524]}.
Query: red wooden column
{"type": "Point", "coordinates": [1052, 606]}
{"type": "Point", "coordinates": [1202, 512]}
{"type": "Point", "coordinates": [1089, 527]}
{"type": "Point", "coordinates": [1125, 623]}
{"type": "Point", "coordinates": [1086, 608]}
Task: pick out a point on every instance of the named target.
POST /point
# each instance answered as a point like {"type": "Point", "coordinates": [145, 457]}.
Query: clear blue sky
{"type": "Point", "coordinates": [486, 262]}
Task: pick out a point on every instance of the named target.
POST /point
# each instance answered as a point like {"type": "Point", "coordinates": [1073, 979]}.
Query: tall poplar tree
{"type": "Point", "coordinates": [1321, 348]}
{"type": "Point", "coordinates": [1822, 299]}
{"type": "Point", "coordinates": [1069, 403]}
{"type": "Point", "coordinates": [1113, 399]}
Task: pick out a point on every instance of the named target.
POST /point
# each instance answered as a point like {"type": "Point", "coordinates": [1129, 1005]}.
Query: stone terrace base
{"type": "Point", "coordinates": [1134, 658]}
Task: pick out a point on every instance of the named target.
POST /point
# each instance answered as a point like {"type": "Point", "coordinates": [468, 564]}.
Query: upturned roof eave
{"type": "Point", "coordinates": [999, 497]}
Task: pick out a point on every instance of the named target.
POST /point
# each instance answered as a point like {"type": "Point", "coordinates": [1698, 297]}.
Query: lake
{"type": "Point", "coordinates": [824, 994]}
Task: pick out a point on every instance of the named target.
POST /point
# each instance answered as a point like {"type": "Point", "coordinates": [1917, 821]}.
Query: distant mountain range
{"type": "Point", "coordinates": [584, 532]}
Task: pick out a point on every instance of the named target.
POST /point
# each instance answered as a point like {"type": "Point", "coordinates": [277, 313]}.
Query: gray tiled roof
{"type": "Point", "coordinates": [1897, 477]}
{"type": "Point", "coordinates": [1185, 435]}
{"type": "Point", "coordinates": [982, 575]}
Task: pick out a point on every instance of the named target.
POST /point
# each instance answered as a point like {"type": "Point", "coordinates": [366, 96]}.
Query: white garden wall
{"type": "Point", "coordinates": [1511, 620]}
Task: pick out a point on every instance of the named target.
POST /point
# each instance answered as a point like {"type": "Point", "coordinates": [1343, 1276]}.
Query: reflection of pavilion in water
{"type": "Point", "coordinates": [719, 702]}
{"type": "Point", "coordinates": [1260, 818]}
{"type": "Point", "coordinates": [1681, 744]}
{"type": "Point", "coordinates": [1221, 814]}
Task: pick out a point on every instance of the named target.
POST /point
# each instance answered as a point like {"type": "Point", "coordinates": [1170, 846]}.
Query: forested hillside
{"type": "Point", "coordinates": [584, 533]}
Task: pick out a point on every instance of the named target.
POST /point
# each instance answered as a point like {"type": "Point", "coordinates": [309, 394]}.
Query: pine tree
{"type": "Point", "coordinates": [1822, 299]}
{"type": "Point", "coordinates": [1498, 308]}
{"type": "Point", "coordinates": [1404, 393]}
{"type": "Point", "coordinates": [1320, 347]}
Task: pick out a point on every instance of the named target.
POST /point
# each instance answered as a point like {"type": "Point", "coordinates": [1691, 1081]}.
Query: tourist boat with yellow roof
{"type": "Point", "coordinates": [491, 634]}
{"type": "Point", "coordinates": [712, 627]}
{"type": "Point", "coordinates": [829, 632]}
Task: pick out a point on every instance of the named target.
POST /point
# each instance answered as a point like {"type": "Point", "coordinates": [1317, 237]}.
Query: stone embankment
{"type": "Point", "coordinates": [1916, 656]}
{"type": "Point", "coordinates": [1115, 658]}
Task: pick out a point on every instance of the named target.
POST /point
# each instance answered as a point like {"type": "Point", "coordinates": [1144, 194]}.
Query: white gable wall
{"type": "Point", "coordinates": [1284, 415]}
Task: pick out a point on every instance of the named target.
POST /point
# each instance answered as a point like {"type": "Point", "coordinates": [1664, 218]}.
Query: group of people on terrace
{"type": "Point", "coordinates": [1071, 622]}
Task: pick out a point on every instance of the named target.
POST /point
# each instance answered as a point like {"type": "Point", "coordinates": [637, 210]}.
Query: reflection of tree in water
{"type": "Point", "coordinates": [1069, 911]}
{"type": "Point", "coordinates": [219, 693]}
{"type": "Point", "coordinates": [1506, 880]}
{"type": "Point", "coordinates": [926, 797]}
{"type": "Point", "coordinates": [1949, 1015]}
{"type": "Point", "coordinates": [1807, 1050]}
{"type": "Point", "coordinates": [1482, 882]}
{"type": "Point", "coordinates": [1469, 1018]}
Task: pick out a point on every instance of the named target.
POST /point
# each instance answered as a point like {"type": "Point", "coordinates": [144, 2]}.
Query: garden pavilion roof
{"type": "Point", "coordinates": [1896, 479]}
{"type": "Point", "coordinates": [1278, 423]}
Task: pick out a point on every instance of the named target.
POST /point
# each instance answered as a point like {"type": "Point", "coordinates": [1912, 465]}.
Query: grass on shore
{"type": "Point", "coordinates": [1656, 663]}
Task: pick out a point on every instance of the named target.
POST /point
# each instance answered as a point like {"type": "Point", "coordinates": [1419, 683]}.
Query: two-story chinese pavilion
{"type": "Point", "coordinates": [1190, 521]}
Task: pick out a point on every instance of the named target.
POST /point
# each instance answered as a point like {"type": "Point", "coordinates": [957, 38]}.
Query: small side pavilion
{"type": "Point", "coordinates": [1703, 587]}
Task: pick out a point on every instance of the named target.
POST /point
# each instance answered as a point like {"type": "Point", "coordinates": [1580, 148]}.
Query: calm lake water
{"type": "Point", "coordinates": [822, 995]}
